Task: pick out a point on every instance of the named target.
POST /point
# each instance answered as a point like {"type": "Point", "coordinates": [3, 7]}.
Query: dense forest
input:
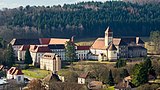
{"type": "Point", "coordinates": [83, 20]}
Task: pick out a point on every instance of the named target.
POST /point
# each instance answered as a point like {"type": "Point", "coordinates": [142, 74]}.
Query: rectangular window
{"type": "Point", "coordinates": [19, 78]}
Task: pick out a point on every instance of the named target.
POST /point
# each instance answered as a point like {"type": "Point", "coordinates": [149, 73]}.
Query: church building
{"type": "Point", "coordinates": [109, 48]}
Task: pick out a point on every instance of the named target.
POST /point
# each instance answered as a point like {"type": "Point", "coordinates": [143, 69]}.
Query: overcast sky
{"type": "Point", "coordinates": [17, 3]}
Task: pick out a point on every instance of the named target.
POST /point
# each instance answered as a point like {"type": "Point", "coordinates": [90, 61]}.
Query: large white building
{"type": "Point", "coordinates": [58, 44]}
{"type": "Point", "coordinates": [82, 52]}
{"type": "Point", "coordinates": [50, 61]}
{"type": "Point", "coordinates": [109, 48]}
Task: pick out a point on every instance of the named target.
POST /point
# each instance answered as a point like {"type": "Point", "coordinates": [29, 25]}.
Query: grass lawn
{"type": "Point", "coordinates": [63, 72]}
{"type": "Point", "coordinates": [36, 73]}
{"type": "Point", "coordinates": [110, 88]}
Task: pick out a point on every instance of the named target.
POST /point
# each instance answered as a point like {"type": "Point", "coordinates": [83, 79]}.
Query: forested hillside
{"type": "Point", "coordinates": [85, 19]}
{"type": "Point", "coordinates": [143, 1]}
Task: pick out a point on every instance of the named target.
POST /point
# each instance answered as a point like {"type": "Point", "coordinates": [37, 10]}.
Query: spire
{"type": "Point", "coordinates": [72, 38]}
{"type": "Point", "coordinates": [108, 30]}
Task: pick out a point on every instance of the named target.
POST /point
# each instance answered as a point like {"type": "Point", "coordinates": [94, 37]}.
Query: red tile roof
{"type": "Point", "coordinates": [15, 71]}
{"type": "Point", "coordinates": [99, 44]}
{"type": "Point", "coordinates": [83, 75]}
{"type": "Point", "coordinates": [58, 41]}
{"type": "Point", "coordinates": [83, 47]}
{"type": "Point", "coordinates": [24, 47]}
{"type": "Point", "coordinates": [42, 49]}
{"type": "Point", "coordinates": [112, 47]}
{"type": "Point", "coordinates": [32, 47]}
{"type": "Point", "coordinates": [44, 41]}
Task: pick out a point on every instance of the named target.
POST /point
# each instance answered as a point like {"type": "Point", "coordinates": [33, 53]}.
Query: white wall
{"type": "Point", "coordinates": [81, 80]}
{"type": "Point", "coordinates": [82, 54]}
{"type": "Point", "coordinates": [21, 55]}
{"type": "Point", "coordinates": [16, 48]}
{"type": "Point", "coordinates": [112, 55]}
{"type": "Point", "coordinates": [36, 57]}
{"type": "Point", "coordinates": [97, 52]}
{"type": "Point", "coordinates": [48, 64]}
{"type": "Point", "coordinates": [19, 78]}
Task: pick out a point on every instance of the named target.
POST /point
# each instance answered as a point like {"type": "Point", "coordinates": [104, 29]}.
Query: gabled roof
{"type": "Point", "coordinates": [50, 56]}
{"type": "Point", "coordinates": [57, 46]}
{"type": "Point", "coordinates": [118, 41]}
{"type": "Point", "coordinates": [139, 40]}
{"type": "Point", "coordinates": [84, 75]}
{"type": "Point", "coordinates": [40, 41]}
{"type": "Point", "coordinates": [58, 41]}
{"type": "Point", "coordinates": [42, 49]}
{"type": "Point", "coordinates": [15, 71]}
{"type": "Point", "coordinates": [108, 30]}
{"type": "Point", "coordinates": [44, 41]}
{"type": "Point", "coordinates": [25, 42]}
{"type": "Point", "coordinates": [99, 44]}
{"type": "Point", "coordinates": [24, 47]}
{"type": "Point", "coordinates": [51, 77]}
{"type": "Point", "coordinates": [112, 47]}
{"type": "Point", "coordinates": [136, 48]}
{"type": "Point", "coordinates": [1, 67]}
{"type": "Point", "coordinates": [32, 47]}
{"type": "Point", "coordinates": [130, 40]}
{"type": "Point", "coordinates": [83, 47]}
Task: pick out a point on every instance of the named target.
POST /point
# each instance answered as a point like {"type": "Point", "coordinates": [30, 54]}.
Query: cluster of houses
{"type": "Point", "coordinates": [48, 53]}
{"type": "Point", "coordinates": [103, 49]}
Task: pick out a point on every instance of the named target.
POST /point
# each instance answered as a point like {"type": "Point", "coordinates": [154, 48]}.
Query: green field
{"type": "Point", "coordinates": [36, 73]}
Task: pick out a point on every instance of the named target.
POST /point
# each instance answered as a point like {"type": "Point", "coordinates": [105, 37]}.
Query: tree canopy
{"type": "Point", "coordinates": [9, 56]}
{"type": "Point", "coordinates": [84, 19]}
{"type": "Point", "coordinates": [70, 51]}
{"type": "Point", "coordinates": [110, 79]}
{"type": "Point", "coordinates": [28, 58]}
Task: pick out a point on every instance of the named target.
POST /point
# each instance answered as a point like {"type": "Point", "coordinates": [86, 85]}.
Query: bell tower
{"type": "Point", "coordinates": [108, 36]}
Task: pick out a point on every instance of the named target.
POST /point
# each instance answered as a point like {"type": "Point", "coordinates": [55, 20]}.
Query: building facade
{"type": "Point", "coordinates": [82, 52]}
{"type": "Point", "coordinates": [109, 48]}
{"type": "Point", "coordinates": [50, 61]}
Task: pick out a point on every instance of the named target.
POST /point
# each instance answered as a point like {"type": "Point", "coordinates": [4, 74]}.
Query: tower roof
{"type": "Point", "coordinates": [112, 47]}
{"type": "Point", "coordinates": [108, 30]}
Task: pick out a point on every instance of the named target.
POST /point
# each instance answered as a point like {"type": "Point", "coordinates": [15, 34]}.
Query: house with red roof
{"type": "Point", "coordinates": [15, 73]}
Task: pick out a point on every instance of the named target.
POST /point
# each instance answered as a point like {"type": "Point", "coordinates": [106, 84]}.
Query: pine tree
{"type": "Point", "coordinates": [28, 58]}
{"type": "Point", "coordinates": [10, 57]}
{"type": "Point", "coordinates": [140, 74]}
{"type": "Point", "coordinates": [110, 79]}
{"type": "Point", "coordinates": [70, 51]}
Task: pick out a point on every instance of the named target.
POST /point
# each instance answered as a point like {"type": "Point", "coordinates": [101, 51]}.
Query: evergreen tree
{"type": "Point", "coordinates": [147, 63]}
{"type": "Point", "coordinates": [110, 79]}
{"type": "Point", "coordinates": [28, 58]}
{"type": "Point", "coordinates": [70, 51]}
{"type": "Point", "coordinates": [10, 57]}
{"type": "Point", "coordinates": [140, 74]}
{"type": "Point", "coordinates": [120, 63]}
